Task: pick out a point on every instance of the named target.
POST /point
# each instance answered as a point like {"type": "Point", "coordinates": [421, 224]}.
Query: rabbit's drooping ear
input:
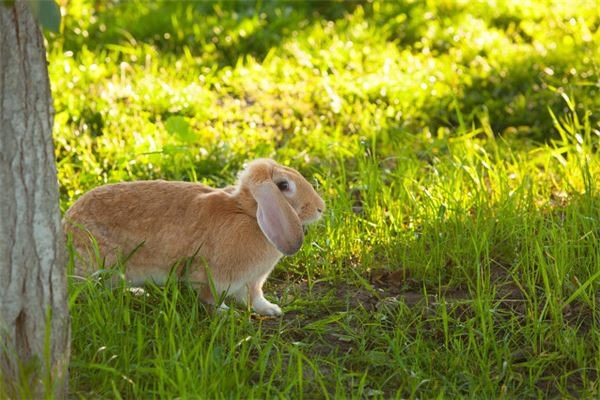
{"type": "Point", "coordinates": [277, 219]}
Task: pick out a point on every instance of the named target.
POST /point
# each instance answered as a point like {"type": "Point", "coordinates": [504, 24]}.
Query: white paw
{"type": "Point", "coordinates": [222, 308]}
{"type": "Point", "coordinates": [265, 307]}
{"type": "Point", "coordinates": [138, 291]}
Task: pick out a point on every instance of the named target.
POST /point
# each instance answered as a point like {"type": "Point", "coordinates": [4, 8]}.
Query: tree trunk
{"type": "Point", "coordinates": [34, 320]}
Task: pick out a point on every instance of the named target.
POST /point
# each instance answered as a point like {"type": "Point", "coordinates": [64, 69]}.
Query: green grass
{"type": "Point", "coordinates": [455, 143]}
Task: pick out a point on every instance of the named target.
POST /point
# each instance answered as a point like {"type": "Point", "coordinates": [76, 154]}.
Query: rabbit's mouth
{"type": "Point", "coordinates": [308, 221]}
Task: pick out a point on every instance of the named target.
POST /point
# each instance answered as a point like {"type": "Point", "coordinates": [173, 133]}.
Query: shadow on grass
{"type": "Point", "coordinates": [515, 97]}
{"type": "Point", "coordinates": [535, 300]}
{"type": "Point", "coordinates": [219, 32]}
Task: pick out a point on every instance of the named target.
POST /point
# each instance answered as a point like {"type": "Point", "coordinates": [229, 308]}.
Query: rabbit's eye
{"type": "Point", "coordinates": [283, 185]}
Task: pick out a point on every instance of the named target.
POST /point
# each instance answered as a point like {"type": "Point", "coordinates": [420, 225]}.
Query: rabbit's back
{"type": "Point", "coordinates": [134, 200]}
{"type": "Point", "coordinates": [154, 220]}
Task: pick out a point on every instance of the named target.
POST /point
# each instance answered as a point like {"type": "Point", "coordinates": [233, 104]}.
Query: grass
{"type": "Point", "coordinates": [455, 143]}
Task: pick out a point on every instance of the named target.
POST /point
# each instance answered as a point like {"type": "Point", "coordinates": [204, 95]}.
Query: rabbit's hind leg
{"type": "Point", "coordinates": [199, 282]}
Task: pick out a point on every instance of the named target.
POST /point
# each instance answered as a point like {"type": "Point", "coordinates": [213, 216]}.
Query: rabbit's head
{"type": "Point", "coordinates": [284, 200]}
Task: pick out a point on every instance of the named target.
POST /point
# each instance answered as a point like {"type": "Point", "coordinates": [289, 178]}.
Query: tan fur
{"type": "Point", "coordinates": [169, 222]}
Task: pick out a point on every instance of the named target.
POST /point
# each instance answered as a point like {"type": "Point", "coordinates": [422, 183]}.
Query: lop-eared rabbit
{"type": "Point", "coordinates": [234, 236]}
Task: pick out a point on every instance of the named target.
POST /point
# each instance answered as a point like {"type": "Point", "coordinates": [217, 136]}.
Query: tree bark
{"type": "Point", "coordinates": [34, 320]}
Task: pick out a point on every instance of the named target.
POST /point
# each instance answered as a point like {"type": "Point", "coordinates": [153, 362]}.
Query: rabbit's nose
{"type": "Point", "coordinates": [319, 210]}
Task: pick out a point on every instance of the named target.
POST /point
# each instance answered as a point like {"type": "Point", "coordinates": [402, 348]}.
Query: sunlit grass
{"type": "Point", "coordinates": [456, 145]}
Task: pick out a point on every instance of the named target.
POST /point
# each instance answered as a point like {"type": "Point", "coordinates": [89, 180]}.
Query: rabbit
{"type": "Point", "coordinates": [232, 237]}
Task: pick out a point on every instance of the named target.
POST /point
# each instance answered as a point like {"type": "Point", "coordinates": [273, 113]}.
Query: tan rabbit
{"type": "Point", "coordinates": [233, 236]}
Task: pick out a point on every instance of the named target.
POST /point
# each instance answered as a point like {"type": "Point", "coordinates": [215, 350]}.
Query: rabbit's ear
{"type": "Point", "coordinates": [277, 219]}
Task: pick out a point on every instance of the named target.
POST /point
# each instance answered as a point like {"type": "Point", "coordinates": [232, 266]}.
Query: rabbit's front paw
{"type": "Point", "coordinates": [265, 307]}
{"type": "Point", "coordinates": [222, 308]}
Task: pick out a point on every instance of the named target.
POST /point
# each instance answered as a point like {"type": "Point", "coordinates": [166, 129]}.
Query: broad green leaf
{"type": "Point", "coordinates": [179, 127]}
{"type": "Point", "coordinates": [47, 13]}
